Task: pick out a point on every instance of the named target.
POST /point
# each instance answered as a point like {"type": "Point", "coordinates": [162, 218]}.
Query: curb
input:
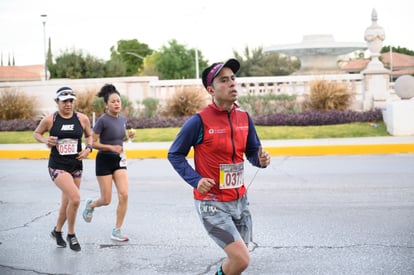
{"type": "Point", "coordinates": [299, 150]}
{"type": "Point", "coordinates": [354, 149]}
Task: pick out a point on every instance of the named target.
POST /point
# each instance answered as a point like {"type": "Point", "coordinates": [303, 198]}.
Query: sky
{"type": "Point", "coordinates": [215, 27]}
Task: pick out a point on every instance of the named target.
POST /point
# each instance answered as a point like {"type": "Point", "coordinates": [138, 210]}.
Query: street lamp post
{"type": "Point", "coordinates": [196, 64]}
{"type": "Point", "coordinates": [136, 55]}
{"type": "Point", "coordinates": [45, 42]}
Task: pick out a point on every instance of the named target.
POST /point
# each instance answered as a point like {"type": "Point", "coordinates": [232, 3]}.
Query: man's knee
{"type": "Point", "coordinates": [238, 257]}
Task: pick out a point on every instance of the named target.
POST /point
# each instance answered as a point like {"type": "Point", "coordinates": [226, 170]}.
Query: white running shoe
{"type": "Point", "coordinates": [116, 235]}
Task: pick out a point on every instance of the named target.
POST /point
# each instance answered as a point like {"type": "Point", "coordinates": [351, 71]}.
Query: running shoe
{"type": "Point", "coordinates": [88, 212]}
{"type": "Point", "coordinates": [116, 235]}
{"type": "Point", "coordinates": [73, 242]}
{"type": "Point", "coordinates": [60, 242]}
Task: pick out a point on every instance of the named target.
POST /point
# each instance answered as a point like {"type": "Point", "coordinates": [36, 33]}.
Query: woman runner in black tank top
{"type": "Point", "coordinates": [65, 129]}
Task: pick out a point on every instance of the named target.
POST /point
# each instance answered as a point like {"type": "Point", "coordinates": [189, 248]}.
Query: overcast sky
{"type": "Point", "coordinates": [215, 27]}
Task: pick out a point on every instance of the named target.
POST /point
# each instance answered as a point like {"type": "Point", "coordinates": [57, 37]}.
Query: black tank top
{"type": "Point", "coordinates": [69, 132]}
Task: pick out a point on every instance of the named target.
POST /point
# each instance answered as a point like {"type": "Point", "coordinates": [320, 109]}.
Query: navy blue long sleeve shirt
{"type": "Point", "coordinates": [191, 134]}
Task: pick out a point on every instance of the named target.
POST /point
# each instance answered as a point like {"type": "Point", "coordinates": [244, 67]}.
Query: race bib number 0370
{"type": "Point", "coordinates": [67, 146]}
{"type": "Point", "coordinates": [231, 175]}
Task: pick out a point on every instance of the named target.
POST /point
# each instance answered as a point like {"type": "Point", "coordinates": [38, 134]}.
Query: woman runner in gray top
{"type": "Point", "coordinates": [109, 133]}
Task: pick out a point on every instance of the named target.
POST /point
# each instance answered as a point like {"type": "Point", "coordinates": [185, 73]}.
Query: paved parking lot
{"type": "Point", "coordinates": [351, 214]}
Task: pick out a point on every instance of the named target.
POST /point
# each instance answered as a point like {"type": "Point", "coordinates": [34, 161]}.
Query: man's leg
{"type": "Point", "coordinates": [237, 258]}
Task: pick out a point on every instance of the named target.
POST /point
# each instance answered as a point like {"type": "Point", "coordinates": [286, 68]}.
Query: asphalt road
{"type": "Point", "coordinates": [348, 214]}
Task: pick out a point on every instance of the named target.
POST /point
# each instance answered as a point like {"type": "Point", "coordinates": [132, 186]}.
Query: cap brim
{"type": "Point", "coordinates": [65, 97]}
{"type": "Point", "coordinates": [233, 64]}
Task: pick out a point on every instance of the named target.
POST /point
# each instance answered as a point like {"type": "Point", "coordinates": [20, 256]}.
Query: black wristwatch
{"type": "Point", "coordinates": [89, 147]}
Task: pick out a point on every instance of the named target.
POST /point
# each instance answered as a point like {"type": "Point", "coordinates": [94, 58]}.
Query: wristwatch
{"type": "Point", "coordinates": [89, 147]}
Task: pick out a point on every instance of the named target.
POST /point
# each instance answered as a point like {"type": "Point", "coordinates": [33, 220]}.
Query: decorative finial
{"type": "Point", "coordinates": [374, 15]}
{"type": "Point", "coordinates": [374, 35]}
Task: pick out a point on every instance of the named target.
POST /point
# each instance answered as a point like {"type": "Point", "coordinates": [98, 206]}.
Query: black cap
{"type": "Point", "coordinates": [213, 70]}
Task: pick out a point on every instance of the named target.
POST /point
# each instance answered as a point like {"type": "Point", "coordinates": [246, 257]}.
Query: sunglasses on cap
{"type": "Point", "coordinates": [65, 93]}
{"type": "Point", "coordinates": [67, 100]}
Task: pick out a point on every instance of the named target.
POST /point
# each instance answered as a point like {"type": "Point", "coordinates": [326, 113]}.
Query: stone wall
{"type": "Point", "coordinates": [139, 88]}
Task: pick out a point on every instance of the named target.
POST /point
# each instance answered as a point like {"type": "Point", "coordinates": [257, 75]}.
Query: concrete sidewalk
{"type": "Point", "coordinates": [298, 147]}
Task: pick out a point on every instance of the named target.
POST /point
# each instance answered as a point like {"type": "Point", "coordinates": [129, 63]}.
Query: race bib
{"type": "Point", "coordinates": [231, 175]}
{"type": "Point", "coordinates": [123, 161]}
{"type": "Point", "coordinates": [67, 146]}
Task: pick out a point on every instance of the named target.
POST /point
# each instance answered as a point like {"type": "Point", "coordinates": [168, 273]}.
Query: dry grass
{"type": "Point", "coordinates": [325, 95]}
{"type": "Point", "coordinates": [186, 101]}
{"type": "Point", "coordinates": [85, 101]}
{"type": "Point", "coordinates": [16, 105]}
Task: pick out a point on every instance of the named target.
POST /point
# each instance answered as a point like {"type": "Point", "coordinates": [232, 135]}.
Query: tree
{"type": "Point", "coordinates": [93, 67]}
{"type": "Point", "coordinates": [49, 60]}
{"type": "Point", "coordinates": [132, 53]}
{"type": "Point", "coordinates": [252, 58]}
{"type": "Point", "coordinates": [69, 64]}
{"type": "Point", "coordinates": [149, 65]}
{"type": "Point", "coordinates": [257, 63]}
{"type": "Point", "coordinates": [115, 67]}
{"type": "Point", "coordinates": [175, 61]}
{"type": "Point", "coordinates": [277, 64]}
{"type": "Point", "coordinates": [74, 64]}
{"type": "Point", "coordinates": [398, 49]}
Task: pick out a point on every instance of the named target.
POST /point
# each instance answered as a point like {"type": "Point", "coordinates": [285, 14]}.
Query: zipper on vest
{"type": "Point", "coordinates": [233, 147]}
{"type": "Point", "coordinates": [232, 138]}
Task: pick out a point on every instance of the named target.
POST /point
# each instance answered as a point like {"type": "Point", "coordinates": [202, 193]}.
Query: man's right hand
{"type": "Point", "coordinates": [204, 185]}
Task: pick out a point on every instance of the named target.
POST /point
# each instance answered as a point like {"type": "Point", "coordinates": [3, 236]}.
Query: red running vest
{"type": "Point", "coordinates": [224, 142]}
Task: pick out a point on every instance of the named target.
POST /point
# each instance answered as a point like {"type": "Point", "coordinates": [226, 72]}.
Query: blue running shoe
{"type": "Point", "coordinates": [88, 212]}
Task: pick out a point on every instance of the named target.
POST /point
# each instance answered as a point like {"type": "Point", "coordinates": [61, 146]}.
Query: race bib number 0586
{"type": "Point", "coordinates": [231, 175]}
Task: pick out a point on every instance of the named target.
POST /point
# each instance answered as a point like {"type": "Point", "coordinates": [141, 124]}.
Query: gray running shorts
{"type": "Point", "coordinates": [226, 222]}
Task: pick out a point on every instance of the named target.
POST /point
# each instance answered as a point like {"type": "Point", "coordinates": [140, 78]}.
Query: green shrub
{"type": "Point", "coordinates": [16, 105]}
{"type": "Point", "coordinates": [325, 95]}
{"type": "Point", "coordinates": [150, 107]}
{"type": "Point", "coordinates": [98, 106]}
{"type": "Point", "coordinates": [186, 101]}
{"type": "Point", "coordinates": [127, 107]}
{"type": "Point", "coordinates": [268, 104]}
